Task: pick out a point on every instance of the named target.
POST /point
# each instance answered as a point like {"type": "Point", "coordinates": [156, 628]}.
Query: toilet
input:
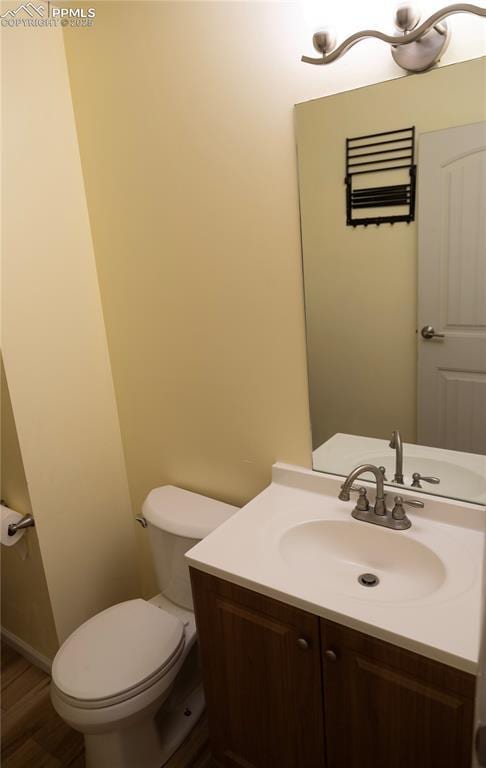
{"type": "Point", "coordinates": [128, 678]}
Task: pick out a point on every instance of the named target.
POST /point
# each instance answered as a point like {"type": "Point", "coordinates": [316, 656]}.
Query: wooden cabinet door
{"type": "Point", "coordinates": [390, 708]}
{"type": "Point", "coordinates": [262, 678]}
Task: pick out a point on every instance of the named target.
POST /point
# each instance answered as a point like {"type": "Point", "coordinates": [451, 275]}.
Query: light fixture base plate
{"type": "Point", "coordinates": [424, 53]}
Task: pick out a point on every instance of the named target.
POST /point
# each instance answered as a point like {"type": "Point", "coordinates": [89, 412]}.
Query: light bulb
{"type": "Point", "coordinates": [324, 40]}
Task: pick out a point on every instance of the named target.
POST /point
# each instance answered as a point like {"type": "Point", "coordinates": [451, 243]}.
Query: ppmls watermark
{"type": "Point", "coordinates": [33, 14]}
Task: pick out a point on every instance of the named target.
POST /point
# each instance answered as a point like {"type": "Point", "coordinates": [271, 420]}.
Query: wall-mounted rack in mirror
{"type": "Point", "coordinates": [390, 152]}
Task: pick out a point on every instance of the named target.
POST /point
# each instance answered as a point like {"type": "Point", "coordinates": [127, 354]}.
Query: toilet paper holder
{"type": "Point", "coordinates": [27, 521]}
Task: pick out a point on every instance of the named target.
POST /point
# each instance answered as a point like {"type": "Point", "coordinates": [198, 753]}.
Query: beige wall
{"type": "Point", "coordinates": [360, 284]}
{"type": "Point", "coordinates": [26, 608]}
{"type": "Point", "coordinates": [189, 163]}
{"type": "Point", "coordinates": [54, 344]}
{"type": "Point", "coordinates": [184, 118]}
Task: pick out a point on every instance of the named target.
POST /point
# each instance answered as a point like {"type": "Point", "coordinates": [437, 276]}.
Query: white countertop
{"type": "Point", "coordinates": [443, 625]}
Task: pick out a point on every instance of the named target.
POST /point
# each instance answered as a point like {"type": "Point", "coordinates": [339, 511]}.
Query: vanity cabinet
{"type": "Point", "coordinates": [261, 668]}
{"type": "Point", "coordinates": [389, 708]}
{"type": "Point", "coordinates": [286, 689]}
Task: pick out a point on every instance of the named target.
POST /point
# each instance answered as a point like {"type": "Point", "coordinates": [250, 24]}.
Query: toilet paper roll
{"type": "Point", "coordinates": [9, 516]}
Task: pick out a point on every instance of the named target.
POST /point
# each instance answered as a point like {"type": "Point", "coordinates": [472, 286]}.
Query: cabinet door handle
{"type": "Point", "coordinates": [303, 643]}
{"type": "Point", "coordinates": [331, 655]}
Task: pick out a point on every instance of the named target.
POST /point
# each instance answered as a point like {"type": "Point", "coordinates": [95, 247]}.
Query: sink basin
{"type": "Point", "coordinates": [339, 551]}
{"type": "Point", "coordinates": [297, 543]}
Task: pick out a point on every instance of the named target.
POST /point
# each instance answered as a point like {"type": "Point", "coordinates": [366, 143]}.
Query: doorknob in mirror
{"type": "Point", "coordinates": [428, 332]}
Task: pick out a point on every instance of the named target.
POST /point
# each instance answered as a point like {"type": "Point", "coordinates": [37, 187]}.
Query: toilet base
{"type": "Point", "coordinates": [148, 744]}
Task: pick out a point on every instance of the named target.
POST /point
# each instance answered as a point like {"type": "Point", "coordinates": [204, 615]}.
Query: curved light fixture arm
{"type": "Point", "coordinates": [397, 40]}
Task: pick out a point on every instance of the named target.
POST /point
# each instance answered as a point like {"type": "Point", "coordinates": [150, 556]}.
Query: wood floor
{"type": "Point", "coordinates": [34, 736]}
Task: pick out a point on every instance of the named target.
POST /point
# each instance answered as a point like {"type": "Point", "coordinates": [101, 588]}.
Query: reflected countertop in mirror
{"type": "Point", "coordinates": [396, 313]}
{"type": "Point", "coordinates": [440, 471]}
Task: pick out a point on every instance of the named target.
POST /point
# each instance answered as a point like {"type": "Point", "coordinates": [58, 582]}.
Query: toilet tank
{"type": "Point", "coordinates": [177, 520]}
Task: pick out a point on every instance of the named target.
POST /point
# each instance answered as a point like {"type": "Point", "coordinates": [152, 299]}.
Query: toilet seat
{"type": "Point", "coordinates": [117, 654]}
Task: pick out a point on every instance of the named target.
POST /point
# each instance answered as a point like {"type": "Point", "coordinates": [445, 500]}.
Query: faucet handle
{"type": "Point", "coordinates": [362, 503]}
{"type": "Point", "coordinates": [417, 477]}
{"type": "Point", "coordinates": [414, 503]}
{"type": "Point", "coordinates": [398, 511]}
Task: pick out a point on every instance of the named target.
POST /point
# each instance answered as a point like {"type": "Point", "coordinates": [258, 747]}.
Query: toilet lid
{"type": "Point", "coordinates": [185, 513]}
{"type": "Point", "coordinates": [118, 650]}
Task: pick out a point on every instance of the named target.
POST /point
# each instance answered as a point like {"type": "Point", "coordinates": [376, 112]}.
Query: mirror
{"type": "Point", "coordinates": [375, 295]}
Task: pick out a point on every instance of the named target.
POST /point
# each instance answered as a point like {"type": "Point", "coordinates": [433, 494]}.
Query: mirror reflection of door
{"type": "Point", "coordinates": [369, 291]}
{"type": "Point", "coordinates": [452, 289]}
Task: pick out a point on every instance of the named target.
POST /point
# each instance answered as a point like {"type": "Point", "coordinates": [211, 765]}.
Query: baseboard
{"type": "Point", "coordinates": [26, 650]}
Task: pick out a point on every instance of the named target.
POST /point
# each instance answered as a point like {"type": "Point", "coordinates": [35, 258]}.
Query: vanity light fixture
{"type": "Point", "coordinates": [416, 50]}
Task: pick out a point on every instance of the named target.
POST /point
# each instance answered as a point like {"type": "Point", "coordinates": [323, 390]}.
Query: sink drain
{"type": "Point", "coordinates": [368, 580]}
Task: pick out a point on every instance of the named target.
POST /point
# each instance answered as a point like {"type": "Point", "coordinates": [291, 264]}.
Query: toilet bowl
{"type": "Point", "coordinates": [128, 678]}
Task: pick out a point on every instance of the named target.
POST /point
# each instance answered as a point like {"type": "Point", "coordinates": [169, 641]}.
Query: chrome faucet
{"type": "Point", "coordinates": [396, 444]}
{"type": "Point", "coordinates": [396, 519]}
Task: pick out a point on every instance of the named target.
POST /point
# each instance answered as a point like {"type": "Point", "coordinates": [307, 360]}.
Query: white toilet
{"type": "Point", "coordinates": [128, 678]}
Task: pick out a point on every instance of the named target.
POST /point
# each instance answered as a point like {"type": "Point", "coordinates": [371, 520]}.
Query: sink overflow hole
{"type": "Point", "coordinates": [368, 580]}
